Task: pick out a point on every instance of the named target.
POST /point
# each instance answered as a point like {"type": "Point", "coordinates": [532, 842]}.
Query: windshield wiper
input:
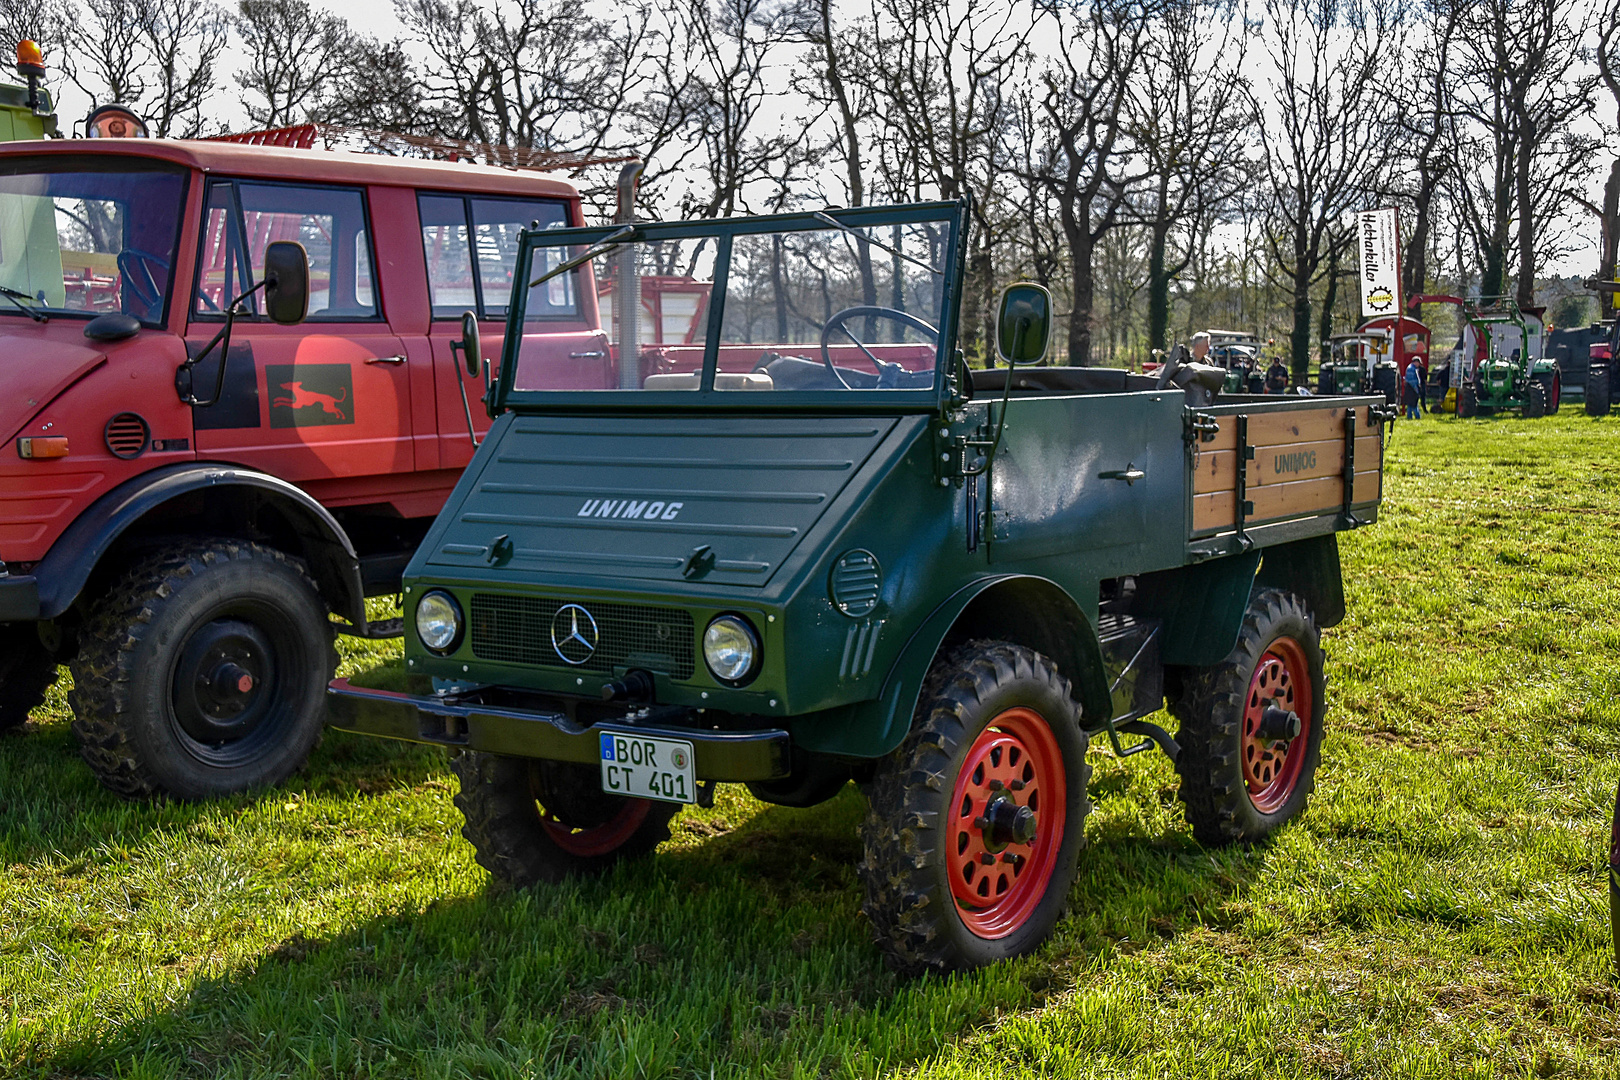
{"type": "Point", "coordinates": [822, 215]}
{"type": "Point", "coordinates": [17, 298]}
{"type": "Point", "coordinates": [607, 245]}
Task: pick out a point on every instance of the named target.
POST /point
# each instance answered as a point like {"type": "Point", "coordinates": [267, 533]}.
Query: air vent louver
{"type": "Point", "coordinates": [856, 582]}
{"type": "Point", "coordinates": [127, 436]}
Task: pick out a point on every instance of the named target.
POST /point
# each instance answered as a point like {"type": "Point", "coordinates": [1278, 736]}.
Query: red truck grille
{"type": "Point", "coordinates": [519, 630]}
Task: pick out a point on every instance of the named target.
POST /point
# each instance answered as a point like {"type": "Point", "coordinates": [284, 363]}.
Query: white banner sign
{"type": "Point", "coordinates": [1379, 247]}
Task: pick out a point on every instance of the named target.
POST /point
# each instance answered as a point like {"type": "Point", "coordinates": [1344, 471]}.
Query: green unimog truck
{"type": "Point", "coordinates": [808, 545]}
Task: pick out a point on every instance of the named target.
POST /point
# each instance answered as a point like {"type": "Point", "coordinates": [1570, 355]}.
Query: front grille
{"type": "Point", "coordinates": [518, 630]}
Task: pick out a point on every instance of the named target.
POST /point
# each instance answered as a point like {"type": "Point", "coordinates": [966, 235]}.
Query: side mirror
{"type": "Point", "coordinates": [286, 282]}
{"type": "Point", "coordinates": [471, 353]}
{"type": "Point", "coordinates": [1024, 323]}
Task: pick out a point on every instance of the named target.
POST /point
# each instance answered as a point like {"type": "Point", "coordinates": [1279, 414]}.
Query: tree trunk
{"type": "Point", "coordinates": [1299, 338]}
{"type": "Point", "coordinates": [1329, 298]}
{"type": "Point", "coordinates": [1085, 296]}
{"type": "Point", "coordinates": [1526, 291]}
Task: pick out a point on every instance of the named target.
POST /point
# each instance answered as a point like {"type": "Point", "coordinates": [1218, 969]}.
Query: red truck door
{"type": "Point", "coordinates": [471, 243]}
{"type": "Point", "coordinates": [328, 398]}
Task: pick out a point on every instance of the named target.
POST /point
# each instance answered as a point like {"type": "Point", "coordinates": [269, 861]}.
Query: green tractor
{"type": "Point", "coordinates": [1500, 364]}
{"type": "Point", "coordinates": [1360, 363]}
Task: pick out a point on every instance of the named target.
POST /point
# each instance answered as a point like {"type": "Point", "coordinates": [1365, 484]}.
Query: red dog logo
{"type": "Point", "coordinates": [302, 398]}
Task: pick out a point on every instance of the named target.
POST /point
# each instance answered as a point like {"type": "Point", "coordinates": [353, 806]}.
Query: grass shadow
{"type": "Point", "coordinates": [743, 953]}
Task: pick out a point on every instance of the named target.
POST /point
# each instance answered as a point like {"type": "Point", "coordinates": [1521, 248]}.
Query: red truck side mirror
{"type": "Point", "coordinates": [286, 282]}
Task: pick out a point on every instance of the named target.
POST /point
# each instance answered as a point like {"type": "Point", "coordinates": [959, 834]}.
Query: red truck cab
{"type": "Point", "coordinates": [184, 559]}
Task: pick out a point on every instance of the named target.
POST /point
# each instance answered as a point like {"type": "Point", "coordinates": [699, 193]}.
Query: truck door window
{"type": "Point", "coordinates": [329, 222]}
{"type": "Point", "coordinates": [471, 248]}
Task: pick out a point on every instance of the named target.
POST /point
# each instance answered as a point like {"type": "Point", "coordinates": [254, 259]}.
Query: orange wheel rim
{"type": "Point", "coordinates": [1006, 822]}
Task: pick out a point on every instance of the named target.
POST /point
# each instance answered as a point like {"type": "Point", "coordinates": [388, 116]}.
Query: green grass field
{"type": "Point", "coordinates": [1441, 910]}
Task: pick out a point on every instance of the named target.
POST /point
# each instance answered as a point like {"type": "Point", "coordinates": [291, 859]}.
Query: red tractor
{"type": "Point", "coordinates": [190, 489]}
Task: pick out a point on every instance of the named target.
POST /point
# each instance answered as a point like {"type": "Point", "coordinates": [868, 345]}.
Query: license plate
{"type": "Point", "coordinates": [645, 768]}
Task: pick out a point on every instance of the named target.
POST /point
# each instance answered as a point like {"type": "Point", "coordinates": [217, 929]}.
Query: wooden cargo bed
{"type": "Point", "coordinates": [1269, 470]}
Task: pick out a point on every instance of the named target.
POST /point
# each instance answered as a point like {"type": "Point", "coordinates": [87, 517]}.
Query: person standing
{"type": "Point", "coordinates": [1277, 377]}
{"type": "Point", "coordinates": [1414, 390]}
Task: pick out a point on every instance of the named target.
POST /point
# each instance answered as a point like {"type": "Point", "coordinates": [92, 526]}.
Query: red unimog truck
{"type": "Point", "coordinates": [181, 531]}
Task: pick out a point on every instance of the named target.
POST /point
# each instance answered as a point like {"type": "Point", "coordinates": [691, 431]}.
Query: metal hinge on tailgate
{"type": "Point", "coordinates": [1200, 427]}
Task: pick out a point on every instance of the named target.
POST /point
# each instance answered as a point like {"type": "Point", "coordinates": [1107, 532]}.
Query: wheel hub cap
{"type": "Point", "coordinates": [219, 683]}
{"type": "Point", "coordinates": [1276, 714]}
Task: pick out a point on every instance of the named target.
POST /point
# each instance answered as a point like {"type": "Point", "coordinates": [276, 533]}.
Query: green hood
{"type": "Point", "coordinates": [718, 499]}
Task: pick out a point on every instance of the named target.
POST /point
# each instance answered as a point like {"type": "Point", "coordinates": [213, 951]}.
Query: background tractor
{"type": "Point", "coordinates": [1360, 363]}
{"type": "Point", "coordinates": [1500, 362]}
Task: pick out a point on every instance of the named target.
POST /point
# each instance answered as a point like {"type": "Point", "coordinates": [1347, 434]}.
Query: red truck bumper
{"type": "Point", "coordinates": [731, 756]}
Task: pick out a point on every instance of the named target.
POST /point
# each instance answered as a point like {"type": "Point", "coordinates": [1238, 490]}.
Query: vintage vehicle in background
{"type": "Point", "coordinates": [26, 111]}
{"type": "Point", "coordinates": [809, 545]}
{"type": "Point", "coordinates": [1500, 362]}
{"type": "Point", "coordinates": [188, 487]}
{"type": "Point", "coordinates": [1360, 363]}
{"type": "Point", "coordinates": [1239, 353]}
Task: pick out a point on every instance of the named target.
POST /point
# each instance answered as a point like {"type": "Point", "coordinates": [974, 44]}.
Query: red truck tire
{"type": "Point", "coordinates": [203, 671]}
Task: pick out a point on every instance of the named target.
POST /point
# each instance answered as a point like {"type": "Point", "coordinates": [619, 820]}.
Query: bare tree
{"type": "Point", "coordinates": [1323, 136]}
{"type": "Point", "coordinates": [1101, 46]}
{"type": "Point", "coordinates": [294, 54]}
{"type": "Point", "coordinates": [1188, 119]}
{"type": "Point", "coordinates": [181, 42]}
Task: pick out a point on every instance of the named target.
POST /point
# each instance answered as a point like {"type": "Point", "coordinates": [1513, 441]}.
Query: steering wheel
{"type": "Point", "coordinates": [1172, 364]}
{"type": "Point", "coordinates": [148, 292]}
{"type": "Point", "coordinates": [884, 368]}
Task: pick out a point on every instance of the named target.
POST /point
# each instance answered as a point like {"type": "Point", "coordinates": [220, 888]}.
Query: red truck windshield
{"type": "Point", "coordinates": [88, 236]}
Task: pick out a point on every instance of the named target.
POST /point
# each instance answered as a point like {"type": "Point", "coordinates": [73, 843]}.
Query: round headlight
{"type": "Point", "coordinates": [731, 649]}
{"type": "Point", "coordinates": [438, 621]}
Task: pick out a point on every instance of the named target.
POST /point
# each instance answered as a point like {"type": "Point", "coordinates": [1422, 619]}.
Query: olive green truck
{"type": "Point", "coordinates": [745, 515]}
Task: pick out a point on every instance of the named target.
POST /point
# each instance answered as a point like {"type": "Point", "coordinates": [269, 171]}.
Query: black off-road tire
{"type": "Point", "coordinates": [501, 800]}
{"type": "Point", "coordinates": [1597, 391]}
{"type": "Point", "coordinates": [1535, 400]}
{"type": "Point", "coordinates": [1467, 400]}
{"type": "Point", "coordinates": [1211, 704]}
{"type": "Point", "coordinates": [132, 697]}
{"type": "Point", "coordinates": [907, 832]}
{"type": "Point", "coordinates": [27, 670]}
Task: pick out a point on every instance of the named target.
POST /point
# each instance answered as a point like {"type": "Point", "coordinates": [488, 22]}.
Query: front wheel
{"type": "Point", "coordinates": [1467, 400]}
{"type": "Point", "coordinates": [203, 672]}
{"type": "Point", "coordinates": [1251, 726]}
{"type": "Point", "coordinates": [532, 821]}
{"type": "Point", "coordinates": [975, 824]}
{"type": "Point", "coordinates": [1535, 400]}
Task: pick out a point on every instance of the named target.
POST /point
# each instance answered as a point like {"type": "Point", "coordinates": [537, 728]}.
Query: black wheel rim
{"type": "Point", "coordinates": [234, 683]}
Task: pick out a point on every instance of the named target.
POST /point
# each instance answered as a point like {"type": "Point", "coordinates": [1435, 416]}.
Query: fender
{"type": "Point", "coordinates": [62, 574]}
{"type": "Point", "coordinates": [1029, 610]}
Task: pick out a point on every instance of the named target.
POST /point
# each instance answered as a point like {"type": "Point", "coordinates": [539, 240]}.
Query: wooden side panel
{"type": "Point", "coordinates": [1281, 464]}
{"type": "Point", "coordinates": [1217, 510]}
{"type": "Point", "coordinates": [1278, 428]}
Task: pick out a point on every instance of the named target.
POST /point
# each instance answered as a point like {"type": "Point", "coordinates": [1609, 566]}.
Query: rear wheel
{"type": "Point", "coordinates": [1251, 726]}
{"type": "Point", "coordinates": [975, 824]}
{"type": "Point", "coordinates": [203, 672]}
{"type": "Point", "coordinates": [1597, 391]}
{"type": "Point", "coordinates": [27, 670]}
{"type": "Point", "coordinates": [541, 821]}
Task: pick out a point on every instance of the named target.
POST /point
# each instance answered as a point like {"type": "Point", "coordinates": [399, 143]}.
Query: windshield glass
{"type": "Point", "coordinates": [88, 236]}
{"type": "Point", "coordinates": [829, 306]}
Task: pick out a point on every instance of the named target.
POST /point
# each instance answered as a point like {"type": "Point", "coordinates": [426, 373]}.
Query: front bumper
{"type": "Point", "coordinates": [732, 756]}
{"type": "Point", "coordinates": [19, 598]}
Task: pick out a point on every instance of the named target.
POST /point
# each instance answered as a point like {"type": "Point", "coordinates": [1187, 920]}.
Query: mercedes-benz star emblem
{"type": "Point", "coordinates": [573, 634]}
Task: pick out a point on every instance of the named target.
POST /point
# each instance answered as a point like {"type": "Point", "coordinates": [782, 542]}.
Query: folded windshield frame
{"type": "Point", "coordinates": [721, 232]}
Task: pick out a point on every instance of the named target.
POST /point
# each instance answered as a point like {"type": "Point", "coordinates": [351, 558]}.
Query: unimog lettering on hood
{"type": "Point", "coordinates": [935, 581]}
{"type": "Point", "coordinates": [646, 509]}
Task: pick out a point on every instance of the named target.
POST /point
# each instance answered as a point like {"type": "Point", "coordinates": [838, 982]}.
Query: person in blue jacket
{"type": "Point", "coordinates": [1414, 390]}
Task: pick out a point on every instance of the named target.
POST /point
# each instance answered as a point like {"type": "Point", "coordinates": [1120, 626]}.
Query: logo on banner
{"type": "Point", "coordinates": [1378, 244]}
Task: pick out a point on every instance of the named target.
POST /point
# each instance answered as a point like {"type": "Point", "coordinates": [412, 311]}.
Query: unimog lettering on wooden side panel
{"type": "Point", "coordinates": [885, 567]}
